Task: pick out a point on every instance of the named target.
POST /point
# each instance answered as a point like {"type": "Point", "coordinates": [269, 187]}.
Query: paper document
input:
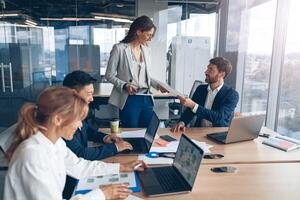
{"type": "Point", "coordinates": [283, 137]}
{"type": "Point", "coordinates": [131, 197]}
{"type": "Point", "coordinates": [85, 185]}
{"type": "Point", "coordinates": [166, 149]}
{"type": "Point", "coordinates": [172, 147]}
{"type": "Point", "coordinates": [280, 144]}
{"type": "Point", "coordinates": [169, 89]}
{"type": "Point", "coordinates": [133, 134]}
{"type": "Point", "coordinates": [155, 161]}
{"type": "Point", "coordinates": [267, 131]}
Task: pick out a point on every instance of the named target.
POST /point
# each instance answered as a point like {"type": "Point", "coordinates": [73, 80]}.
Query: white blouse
{"type": "Point", "coordinates": [138, 70]}
{"type": "Point", "coordinates": [38, 170]}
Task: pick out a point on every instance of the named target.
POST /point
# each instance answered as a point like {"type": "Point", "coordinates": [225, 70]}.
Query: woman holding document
{"type": "Point", "coordinates": [127, 70]}
{"type": "Point", "coordinates": [39, 159]}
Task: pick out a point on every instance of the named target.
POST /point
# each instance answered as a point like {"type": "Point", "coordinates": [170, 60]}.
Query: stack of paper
{"type": "Point", "coordinates": [168, 88]}
{"type": "Point", "coordinates": [283, 137]}
{"type": "Point", "coordinates": [280, 144]}
{"type": "Point", "coordinates": [131, 197]}
{"type": "Point", "coordinates": [133, 134]}
{"type": "Point", "coordinates": [88, 184]}
{"type": "Point", "coordinates": [156, 161]}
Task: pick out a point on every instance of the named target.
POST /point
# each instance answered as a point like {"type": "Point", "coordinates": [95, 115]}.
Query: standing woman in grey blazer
{"type": "Point", "coordinates": [127, 70]}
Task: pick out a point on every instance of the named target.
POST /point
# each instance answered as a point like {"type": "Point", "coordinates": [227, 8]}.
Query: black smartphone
{"type": "Point", "coordinates": [266, 135]}
{"type": "Point", "coordinates": [167, 138]}
{"type": "Point", "coordinates": [213, 156]}
{"type": "Point", "coordinates": [225, 169]}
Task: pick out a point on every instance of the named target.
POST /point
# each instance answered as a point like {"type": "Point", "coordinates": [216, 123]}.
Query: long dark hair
{"type": "Point", "coordinates": [142, 23]}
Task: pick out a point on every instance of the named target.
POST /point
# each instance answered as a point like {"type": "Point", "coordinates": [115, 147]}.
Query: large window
{"type": "Point", "coordinates": [257, 58]}
{"type": "Point", "coordinates": [263, 42]}
{"type": "Point", "coordinates": [289, 104]}
{"type": "Point", "coordinates": [106, 38]}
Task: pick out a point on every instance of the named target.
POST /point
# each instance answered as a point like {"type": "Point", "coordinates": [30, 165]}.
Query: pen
{"type": "Point", "coordinates": [137, 166]}
{"type": "Point", "coordinates": [166, 155]}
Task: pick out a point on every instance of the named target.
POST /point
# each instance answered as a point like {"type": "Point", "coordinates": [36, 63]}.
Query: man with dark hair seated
{"type": "Point", "coordinates": [83, 84]}
{"type": "Point", "coordinates": [212, 103]}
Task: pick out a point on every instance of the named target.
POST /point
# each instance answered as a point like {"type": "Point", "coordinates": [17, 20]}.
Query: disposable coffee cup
{"type": "Point", "coordinates": [114, 126]}
{"type": "Point", "coordinates": [176, 112]}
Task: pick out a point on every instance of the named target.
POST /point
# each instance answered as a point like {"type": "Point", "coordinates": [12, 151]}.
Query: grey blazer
{"type": "Point", "coordinates": [118, 72]}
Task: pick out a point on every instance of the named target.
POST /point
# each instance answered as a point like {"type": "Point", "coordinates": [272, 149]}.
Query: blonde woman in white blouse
{"type": "Point", "coordinates": [39, 158]}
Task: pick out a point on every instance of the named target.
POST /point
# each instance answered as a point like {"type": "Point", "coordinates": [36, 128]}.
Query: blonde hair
{"type": "Point", "coordinates": [54, 100]}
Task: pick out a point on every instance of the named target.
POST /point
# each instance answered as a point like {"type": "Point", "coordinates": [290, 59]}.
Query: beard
{"type": "Point", "coordinates": [211, 80]}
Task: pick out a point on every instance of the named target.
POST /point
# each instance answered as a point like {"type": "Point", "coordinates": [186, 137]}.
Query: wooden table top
{"type": "Point", "coordinates": [236, 153]}
{"type": "Point", "coordinates": [255, 181]}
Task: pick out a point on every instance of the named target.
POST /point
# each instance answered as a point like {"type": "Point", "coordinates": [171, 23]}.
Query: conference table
{"type": "Point", "coordinates": [251, 152]}
{"type": "Point", "coordinates": [250, 182]}
{"type": "Point", "coordinates": [262, 172]}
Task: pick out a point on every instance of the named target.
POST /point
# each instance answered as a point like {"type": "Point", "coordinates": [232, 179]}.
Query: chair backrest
{"type": "Point", "coordinates": [5, 141]}
{"type": "Point", "coordinates": [194, 87]}
{"type": "Point", "coordinates": [6, 138]}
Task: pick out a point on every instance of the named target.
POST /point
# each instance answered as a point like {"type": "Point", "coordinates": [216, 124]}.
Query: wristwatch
{"type": "Point", "coordinates": [125, 86]}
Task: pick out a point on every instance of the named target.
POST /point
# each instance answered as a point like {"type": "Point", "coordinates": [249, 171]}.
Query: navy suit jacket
{"type": "Point", "coordinates": [79, 144]}
{"type": "Point", "coordinates": [222, 110]}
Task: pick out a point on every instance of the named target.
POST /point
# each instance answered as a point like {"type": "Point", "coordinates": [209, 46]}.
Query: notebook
{"type": "Point", "coordinates": [88, 184]}
{"type": "Point", "coordinates": [280, 144]}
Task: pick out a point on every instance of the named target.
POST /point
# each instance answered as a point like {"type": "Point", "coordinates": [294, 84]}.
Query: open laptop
{"type": "Point", "coordinates": [241, 129]}
{"type": "Point", "coordinates": [143, 145]}
{"type": "Point", "coordinates": [177, 178]}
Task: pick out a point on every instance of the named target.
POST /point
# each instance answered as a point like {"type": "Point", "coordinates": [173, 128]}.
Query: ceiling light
{"type": "Point", "coordinates": [9, 15]}
{"type": "Point", "coordinates": [30, 22]}
{"type": "Point", "coordinates": [120, 5]}
{"type": "Point", "coordinates": [114, 19]}
{"type": "Point", "coordinates": [69, 19]}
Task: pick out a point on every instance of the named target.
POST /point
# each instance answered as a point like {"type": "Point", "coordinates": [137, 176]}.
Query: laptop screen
{"type": "Point", "coordinates": [151, 130]}
{"type": "Point", "coordinates": [188, 159]}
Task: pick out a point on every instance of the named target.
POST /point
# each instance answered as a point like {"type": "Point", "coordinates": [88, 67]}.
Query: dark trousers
{"type": "Point", "coordinates": [137, 111]}
{"type": "Point", "coordinates": [69, 187]}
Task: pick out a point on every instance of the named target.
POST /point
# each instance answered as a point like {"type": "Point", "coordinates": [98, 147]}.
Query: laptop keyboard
{"type": "Point", "coordinates": [220, 136]}
{"type": "Point", "coordinates": [168, 179]}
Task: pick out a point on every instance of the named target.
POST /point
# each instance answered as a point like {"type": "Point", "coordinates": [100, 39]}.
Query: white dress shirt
{"type": "Point", "coordinates": [38, 168]}
{"type": "Point", "coordinates": [211, 94]}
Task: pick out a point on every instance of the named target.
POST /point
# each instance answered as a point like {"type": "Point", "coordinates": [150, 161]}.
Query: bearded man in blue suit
{"type": "Point", "coordinates": [213, 103]}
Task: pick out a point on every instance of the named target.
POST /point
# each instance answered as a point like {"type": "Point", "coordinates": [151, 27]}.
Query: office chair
{"type": "Point", "coordinates": [181, 108]}
{"type": "Point", "coordinates": [194, 87]}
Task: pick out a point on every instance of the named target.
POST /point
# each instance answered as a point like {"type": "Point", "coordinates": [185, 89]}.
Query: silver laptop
{"type": "Point", "coordinates": [177, 178]}
{"type": "Point", "coordinates": [241, 129]}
